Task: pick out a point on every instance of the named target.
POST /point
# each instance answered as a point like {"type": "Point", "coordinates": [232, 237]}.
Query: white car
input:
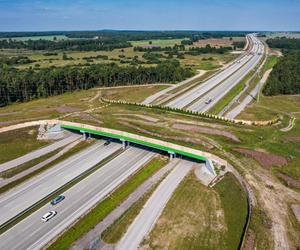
{"type": "Point", "coordinates": [208, 101]}
{"type": "Point", "coordinates": [48, 216]}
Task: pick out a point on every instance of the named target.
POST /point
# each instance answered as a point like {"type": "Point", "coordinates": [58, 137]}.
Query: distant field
{"type": "Point", "coordinates": [159, 42]}
{"type": "Point", "coordinates": [224, 42]}
{"type": "Point", "coordinates": [25, 38]}
{"type": "Point", "coordinates": [284, 34]}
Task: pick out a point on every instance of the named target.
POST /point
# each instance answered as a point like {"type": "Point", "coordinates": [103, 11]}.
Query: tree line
{"type": "Point", "coordinates": [79, 44]}
{"type": "Point", "coordinates": [130, 35]}
{"type": "Point", "coordinates": [284, 43]}
{"type": "Point", "coordinates": [285, 77]}
{"type": "Point", "coordinates": [24, 85]}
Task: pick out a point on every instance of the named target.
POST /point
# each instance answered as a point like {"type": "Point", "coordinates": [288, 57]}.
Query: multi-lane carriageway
{"type": "Point", "coordinates": [221, 83]}
{"type": "Point", "coordinates": [31, 232]}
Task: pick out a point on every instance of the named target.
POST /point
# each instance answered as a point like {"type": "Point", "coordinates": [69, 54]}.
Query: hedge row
{"type": "Point", "coordinates": [195, 113]}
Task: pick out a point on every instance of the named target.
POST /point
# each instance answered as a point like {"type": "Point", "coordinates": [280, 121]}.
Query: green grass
{"type": "Point", "coordinates": [106, 206]}
{"type": "Point", "coordinates": [16, 143]}
{"type": "Point", "coordinates": [192, 219]}
{"type": "Point", "coordinates": [220, 105]}
{"type": "Point", "coordinates": [270, 63]}
{"type": "Point", "coordinates": [132, 94]}
{"type": "Point", "coordinates": [234, 203]}
{"type": "Point", "coordinates": [115, 231]}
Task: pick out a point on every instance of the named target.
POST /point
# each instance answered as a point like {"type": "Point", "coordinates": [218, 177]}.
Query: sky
{"type": "Point", "coordinates": [49, 15]}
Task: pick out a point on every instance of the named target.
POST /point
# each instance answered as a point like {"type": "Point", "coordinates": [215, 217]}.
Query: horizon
{"type": "Point", "coordinates": [203, 15]}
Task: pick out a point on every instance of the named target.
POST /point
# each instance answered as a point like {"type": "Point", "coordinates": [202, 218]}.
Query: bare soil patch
{"type": "Point", "coordinates": [224, 42]}
{"type": "Point", "coordinates": [265, 159]}
{"type": "Point", "coordinates": [290, 182]}
{"type": "Point", "coordinates": [204, 130]}
{"type": "Point", "coordinates": [66, 109]}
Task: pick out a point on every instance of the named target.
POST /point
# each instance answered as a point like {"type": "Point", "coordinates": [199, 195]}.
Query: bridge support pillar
{"type": "Point", "coordinates": [85, 135]}
{"type": "Point", "coordinates": [210, 167]}
{"type": "Point", "coordinates": [124, 143]}
{"type": "Point", "coordinates": [172, 155]}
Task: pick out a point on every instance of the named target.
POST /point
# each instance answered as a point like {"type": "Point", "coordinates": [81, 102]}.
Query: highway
{"type": "Point", "coordinates": [33, 233]}
{"type": "Point", "coordinates": [222, 89]}
{"type": "Point", "coordinates": [30, 192]}
{"type": "Point", "coordinates": [230, 76]}
{"type": "Point", "coordinates": [159, 94]}
{"type": "Point", "coordinates": [153, 208]}
{"type": "Point", "coordinates": [39, 152]}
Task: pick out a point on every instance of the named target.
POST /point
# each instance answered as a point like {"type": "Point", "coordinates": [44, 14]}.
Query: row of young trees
{"type": "Point", "coordinates": [285, 77]}
{"type": "Point", "coordinates": [25, 85]}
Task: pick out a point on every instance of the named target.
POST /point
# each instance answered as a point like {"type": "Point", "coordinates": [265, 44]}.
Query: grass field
{"type": "Point", "coordinates": [234, 204]}
{"type": "Point", "coordinates": [197, 217]}
{"type": "Point", "coordinates": [106, 206]}
{"type": "Point", "coordinates": [16, 143]}
{"type": "Point", "coordinates": [157, 42]}
{"type": "Point", "coordinates": [132, 94]}
{"type": "Point", "coordinates": [60, 105]}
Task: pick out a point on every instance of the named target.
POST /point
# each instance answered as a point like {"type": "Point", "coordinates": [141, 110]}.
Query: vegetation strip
{"type": "Point", "coordinates": [4, 227]}
{"type": "Point", "coordinates": [104, 207]}
{"type": "Point", "coordinates": [194, 113]}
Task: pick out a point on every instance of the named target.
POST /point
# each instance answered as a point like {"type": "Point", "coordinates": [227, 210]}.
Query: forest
{"type": "Point", "coordinates": [24, 85]}
{"type": "Point", "coordinates": [284, 43]}
{"type": "Point", "coordinates": [285, 77]}
{"type": "Point", "coordinates": [79, 45]}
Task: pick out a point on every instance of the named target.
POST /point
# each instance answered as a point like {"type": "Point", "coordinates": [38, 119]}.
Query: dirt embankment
{"type": "Point", "coordinates": [265, 159]}
{"type": "Point", "coordinates": [205, 130]}
{"type": "Point", "coordinates": [179, 138]}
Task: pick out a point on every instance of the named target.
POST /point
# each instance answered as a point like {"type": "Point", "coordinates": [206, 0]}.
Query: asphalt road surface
{"type": "Point", "coordinates": [239, 64]}
{"type": "Point", "coordinates": [33, 233]}
{"type": "Point", "coordinates": [155, 96]}
{"type": "Point", "coordinates": [151, 211]}
{"type": "Point", "coordinates": [30, 192]}
{"type": "Point", "coordinates": [222, 89]}
{"type": "Point", "coordinates": [39, 152]}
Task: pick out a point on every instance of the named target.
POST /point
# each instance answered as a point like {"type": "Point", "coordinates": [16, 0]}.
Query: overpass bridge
{"type": "Point", "coordinates": [172, 149]}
